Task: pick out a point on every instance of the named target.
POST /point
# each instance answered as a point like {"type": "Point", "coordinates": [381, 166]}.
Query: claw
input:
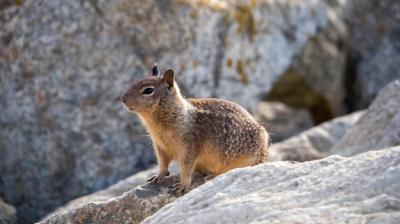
{"type": "Point", "coordinates": [157, 179]}
{"type": "Point", "coordinates": [178, 189]}
{"type": "Point", "coordinates": [152, 179]}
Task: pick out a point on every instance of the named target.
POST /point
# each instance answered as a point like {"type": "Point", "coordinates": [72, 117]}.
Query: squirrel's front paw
{"type": "Point", "coordinates": [157, 179]}
{"type": "Point", "coordinates": [179, 188]}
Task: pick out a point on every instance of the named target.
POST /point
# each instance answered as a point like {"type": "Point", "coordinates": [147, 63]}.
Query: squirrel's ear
{"type": "Point", "coordinates": [155, 71]}
{"type": "Point", "coordinates": [169, 77]}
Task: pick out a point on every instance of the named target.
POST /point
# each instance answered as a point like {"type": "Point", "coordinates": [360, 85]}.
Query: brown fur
{"type": "Point", "coordinates": [211, 136]}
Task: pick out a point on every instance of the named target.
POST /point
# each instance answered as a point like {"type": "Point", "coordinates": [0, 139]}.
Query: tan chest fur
{"type": "Point", "coordinates": [165, 139]}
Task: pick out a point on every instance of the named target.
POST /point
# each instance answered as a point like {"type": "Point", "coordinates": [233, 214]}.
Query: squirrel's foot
{"type": "Point", "coordinates": [179, 188]}
{"type": "Point", "coordinates": [157, 179]}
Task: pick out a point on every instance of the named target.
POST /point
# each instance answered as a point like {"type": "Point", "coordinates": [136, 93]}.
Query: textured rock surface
{"type": "Point", "coordinates": [63, 65]}
{"type": "Point", "coordinates": [378, 128]}
{"type": "Point", "coordinates": [316, 142]}
{"type": "Point", "coordinates": [113, 191]}
{"type": "Point", "coordinates": [315, 79]}
{"type": "Point", "coordinates": [374, 41]}
{"type": "Point", "coordinates": [282, 121]}
{"type": "Point", "coordinates": [63, 132]}
{"type": "Point", "coordinates": [132, 207]}
{"type": "Point", "coordinates": [361, 189]}
{"type": "Point", "coordinates": [8, 214]}
{"type": "Point", "coordinates": [260, 44]}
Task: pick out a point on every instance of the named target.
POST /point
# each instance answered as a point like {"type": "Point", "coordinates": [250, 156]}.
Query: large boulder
{"type": "Point", "coordinates": [316, 142]}
{"type": "Point", "coordinates": [63, 132]}
{"type": "Point", "coordinates": [8, 214]}
{"type": "Point", "coordinates": [378, 128]}
{"type": "Point", "coordinates": [374, 44]}
{"type": "Point", "coordinates": [63, 65]}
{"type": "Point", "coordinates": [364, 188]}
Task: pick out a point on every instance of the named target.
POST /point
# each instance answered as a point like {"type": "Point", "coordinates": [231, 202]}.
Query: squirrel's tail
{"type": "Point", "coordinates": [263, 153]}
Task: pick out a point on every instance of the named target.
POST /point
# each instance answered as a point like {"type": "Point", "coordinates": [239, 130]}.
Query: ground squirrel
{"type": "Point", "coordinates": [210, 136]}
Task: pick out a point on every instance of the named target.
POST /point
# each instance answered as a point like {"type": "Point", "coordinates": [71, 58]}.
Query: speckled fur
{"type": "Point", "coordinates": [211, 136]}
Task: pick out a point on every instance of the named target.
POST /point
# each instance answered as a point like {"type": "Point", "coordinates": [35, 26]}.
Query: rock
{"type": "Point", "coordinates": [64, 132]}
{"type": "Point", "coordinates": [63, 65]}
{"type": "Point", "coordinates": [322, 63]}
{"type": "Point", "coordinates": [8, 214]}
{"type": "Point", "coordinates": [316, 142]}
{"type": "Point", "coordinates": [113, 191]}
{"type": "Point", "coordinates": [378, 128]}
{"type": "Point", "coordinates": [259, 44]}
{"type": "Point", "coordinates": [374, 43]}
{"type": "Point", "coordinates": [315, 78]}
{"type": "Point", "coordinates": [282, 121]}
{"type": "Point", "coordinates": [132, 207]}
{"type": "Point", "coordinates": [364, 188]}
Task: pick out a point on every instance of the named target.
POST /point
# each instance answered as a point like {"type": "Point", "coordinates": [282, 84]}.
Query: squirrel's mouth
{"type": "Point", "coordinates": [129, 108]}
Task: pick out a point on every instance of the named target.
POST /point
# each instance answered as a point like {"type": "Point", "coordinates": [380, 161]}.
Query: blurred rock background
{"type": "Point", "coordinates": [64, 64]}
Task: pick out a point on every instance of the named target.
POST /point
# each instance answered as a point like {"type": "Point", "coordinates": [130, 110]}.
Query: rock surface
{"type": "Point", "coordinates": [378, 128]}
{"type": "Point", "coordinates": [131, 207]}
{"type": "Point", "coordinates": [63, 65]}
{"type": "Point", "coordinates": [315, 77]}
{"type": "Point", "coordinates": [8, 214]}
{"type": "Point", "coordinates": [282, 121]}
{"type": "Point", "coordinates": [116, 189]}
{"type": "Point", "coordinates": [113, 191]}
{"type": "Point", "coordinates": [316, 142]}
{"type": "Point", "coordinates": [360, 189]}
{"type": "Point", "coordinates": [374, 42]}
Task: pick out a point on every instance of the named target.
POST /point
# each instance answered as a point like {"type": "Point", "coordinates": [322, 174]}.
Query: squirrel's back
{"type": "Point", "coordinates": [230, 128]}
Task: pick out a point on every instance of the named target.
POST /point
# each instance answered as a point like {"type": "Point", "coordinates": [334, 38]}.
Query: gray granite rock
{"type": "Point", "coordinates": [8, 214]}
{"type": "Point", "coordinates": [378, 128]}
{"type": "Point", "coordinates": [374, 42]}
{"type": "Point", "coordinates": [360, 189]}
{"type": "Point", "coordinates": [64, 132]}
{"type": "Point", "coordinates": [322, 62]}
{"type": "Point", "coordinates": [316, 142]}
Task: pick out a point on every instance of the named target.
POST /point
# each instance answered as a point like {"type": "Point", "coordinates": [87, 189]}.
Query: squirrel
{"type": "Point", "coordinates": [210, 136]}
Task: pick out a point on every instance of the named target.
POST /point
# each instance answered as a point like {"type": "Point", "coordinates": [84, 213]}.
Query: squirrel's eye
{"type": "Point", "coordinates": [148, 91]}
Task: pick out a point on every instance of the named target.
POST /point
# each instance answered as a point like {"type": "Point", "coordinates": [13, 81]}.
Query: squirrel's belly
{"type": "Point", "coordinates": [210, 162]}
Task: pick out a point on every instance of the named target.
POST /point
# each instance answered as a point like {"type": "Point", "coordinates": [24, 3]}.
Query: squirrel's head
{"type": "Point", "coordinates": [146, 93]}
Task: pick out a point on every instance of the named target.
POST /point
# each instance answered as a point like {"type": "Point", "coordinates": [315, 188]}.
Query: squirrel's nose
{"type": "Point", "coordinates": [123, 98]}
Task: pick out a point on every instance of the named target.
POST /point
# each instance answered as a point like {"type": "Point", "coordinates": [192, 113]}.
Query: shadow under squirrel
{"type": "Point", "coordinates": [210, 136]}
